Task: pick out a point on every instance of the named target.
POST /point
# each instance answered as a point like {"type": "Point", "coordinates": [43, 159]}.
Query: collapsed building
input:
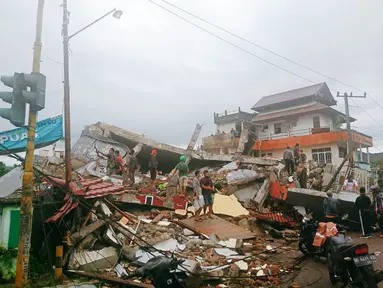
{"type": "Point", "coordinates": [113, 226]}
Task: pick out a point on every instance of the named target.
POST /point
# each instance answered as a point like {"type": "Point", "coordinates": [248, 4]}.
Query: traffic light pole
{"type": "Point", "coordinates": [26, 212]}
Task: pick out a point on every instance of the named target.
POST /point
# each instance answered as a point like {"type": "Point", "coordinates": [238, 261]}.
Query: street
{"type": "Point", "coordinates": [314, 273]}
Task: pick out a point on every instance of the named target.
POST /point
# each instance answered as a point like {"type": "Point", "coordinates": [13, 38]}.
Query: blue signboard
{"type": "Point", "coordinates": [48, 131]}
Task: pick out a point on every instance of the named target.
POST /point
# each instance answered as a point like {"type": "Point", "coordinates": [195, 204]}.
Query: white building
{"type": "Point", "coordinates": [305, 116]}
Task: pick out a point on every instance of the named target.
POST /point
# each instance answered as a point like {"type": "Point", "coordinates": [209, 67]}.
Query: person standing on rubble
{"type": "Point", "coordinates": [197, 196]}
{"type": "Point", "coordinates": [288, 159]}
{"type": "Point", "coordinates": [297, 157]}
{"type": "Point", "coordinates": [183, 171]}
{"type": "Point", "coordinates": [207, 191]}
{"type": "Point", "coordinates": [330, 207]}
{"type": "Point", "coordinates": [363, 205]}
{"type": "Point", "coordinates": [350, 184]}
{"type": "Point", "coordinates": [119, 163]}
{"type": "Point", "coordinates": [378, 207]}
{"type": "Point", "coordinates": [153, 167]}
{"type": "Point", "coordinates": [111, 158]}
{"type": "Point", "coordinates": [303, 157]}
{"type": "Point", "coordinates": [132, 165]}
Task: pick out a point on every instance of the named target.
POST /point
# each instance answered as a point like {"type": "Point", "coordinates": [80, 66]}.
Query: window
{"type": "Point", "coordinates": [277, 128]}
{"type": "Point", "coordinates": [322, 155]}
{"type": "Point", "coordinates": [316, 122]}
{"type": "Point", "coordinates": [265, 127]}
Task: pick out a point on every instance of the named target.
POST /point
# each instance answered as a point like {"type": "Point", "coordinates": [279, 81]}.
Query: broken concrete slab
{"type": "Point", "coordinates": [228, 205]}
{"type": "Point", "coordinates": [85, 260]}
{"type": "Point", "coordinates": [262, 193]}
{"type": "Point", "coordinates": [247, 193]}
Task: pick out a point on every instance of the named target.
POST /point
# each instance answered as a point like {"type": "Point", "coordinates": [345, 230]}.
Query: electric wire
{"type": "Point", "coordinates": [253, 54]}
{"type": "Point", "coordinates": [271, 52]}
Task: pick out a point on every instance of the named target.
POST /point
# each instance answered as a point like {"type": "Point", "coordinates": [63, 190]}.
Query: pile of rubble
{"type": "Point", "coordinates": [240, 252]}
{"type": "Point", "coordinates": [247, 242]}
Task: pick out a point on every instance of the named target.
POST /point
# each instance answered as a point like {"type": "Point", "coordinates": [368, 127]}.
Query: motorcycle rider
{"type": "Point", "coordinates": [330, 208]}
{"type": "Point", "coordinates": [378, 207]}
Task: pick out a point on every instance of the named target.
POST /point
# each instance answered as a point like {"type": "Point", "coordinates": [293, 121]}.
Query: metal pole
{"type": "Point", "coordinates": [90, 24]}
{"type": "Point", "coordinates": [349, 140]}
{"type": "Point", "coordinates": [26, 212]}
{"type": "Point", "coordinates": [68, 156]}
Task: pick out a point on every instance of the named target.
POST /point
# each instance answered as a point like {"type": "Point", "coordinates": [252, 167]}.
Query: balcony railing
{"type": "Point", "coordinates": [294, 133]}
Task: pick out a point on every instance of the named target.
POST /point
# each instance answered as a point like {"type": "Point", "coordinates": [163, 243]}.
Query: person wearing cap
{"type": "Point", "coordinates": [330, 207]}
{"type": "Point", "coordinates": [153, 167]}
{"type": "Point", "coordinates": [183, 171]}
{"type": "Point", "coordinates": [378, 207]}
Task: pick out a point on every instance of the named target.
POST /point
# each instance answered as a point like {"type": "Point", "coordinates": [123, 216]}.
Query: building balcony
{"type": "Point", "coordinates": [310, 137]}
{"type": "Point", "coordinates": [215, 143]}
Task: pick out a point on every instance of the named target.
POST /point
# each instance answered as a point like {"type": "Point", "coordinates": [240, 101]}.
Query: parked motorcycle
{"type": "Point", "coordinates": [348, 264]}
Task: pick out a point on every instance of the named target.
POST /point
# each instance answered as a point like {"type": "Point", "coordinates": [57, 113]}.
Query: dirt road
{"type": "Point", "coordinates": [314, 273]}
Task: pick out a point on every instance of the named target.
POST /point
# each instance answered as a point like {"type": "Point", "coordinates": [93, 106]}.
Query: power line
{"type": "Point", "coordinates": [250, 53]}
{"type": "Point", "coordinates": [230, 43]}
{"type": "Point", "coordinates": [270, 51]}
{"type": "Point", "coordinates": [256, 56]}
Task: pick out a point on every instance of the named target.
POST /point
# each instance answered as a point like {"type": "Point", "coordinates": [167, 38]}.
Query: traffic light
{"type": "Point", "coordinates": [15, 114]}
{"type": "Point", "coordinates": [20, 95]}
{"type": "Point", "coordinates": [36, 96]}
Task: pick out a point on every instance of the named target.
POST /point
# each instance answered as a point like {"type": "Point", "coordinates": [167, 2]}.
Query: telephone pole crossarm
{"type": "Point", "coordinates": [347, 109]}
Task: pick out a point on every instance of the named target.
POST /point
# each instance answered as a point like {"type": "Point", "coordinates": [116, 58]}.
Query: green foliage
{"type": "Point", "coordinates": [3, 169]}
{"type": "Point", "coordinates": [7, 264]}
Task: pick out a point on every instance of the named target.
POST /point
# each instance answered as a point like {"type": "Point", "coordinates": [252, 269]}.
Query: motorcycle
{"type": "Point", "coordinates": [162, 271]}
{"type": "Point", "coordinates": [348, 264]}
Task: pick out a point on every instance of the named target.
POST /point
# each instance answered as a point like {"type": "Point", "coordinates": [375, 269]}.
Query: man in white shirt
{"type": "Point", "coordinates": [350, 185]}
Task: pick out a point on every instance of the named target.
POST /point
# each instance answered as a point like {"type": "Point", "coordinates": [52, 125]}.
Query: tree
{"type": "Point", "coordinates": [3, 169]}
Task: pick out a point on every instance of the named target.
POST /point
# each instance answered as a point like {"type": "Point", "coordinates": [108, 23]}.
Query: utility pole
{"type": "Point", "coordinates": [66, 37]}
{"type": "Point", "coordinates": [22, 265]}
{"type": "Point", "coordinates": [68, 152]}
{"type": "Point", "coordinates": [350, 148]}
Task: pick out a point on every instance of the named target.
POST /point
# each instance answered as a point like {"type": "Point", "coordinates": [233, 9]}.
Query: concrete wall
{"type": "Point", "coordinates": [302, 125]}
{"type": "Point", "coordinates": [213, 144]}
{"type": "Point", "coordinates": [336, 160]}
{"type": "Point", "coordinates": [226, 127]}
{"type": "Point", "coordinates": [5, 221]}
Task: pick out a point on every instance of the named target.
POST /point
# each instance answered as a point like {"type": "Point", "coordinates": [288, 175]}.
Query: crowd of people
{"type": "Point", "coordinates": [369, 212]}
{"type": "Point", "coordinates": [116, 165]}
{"type": "Point", "coordinates": [294, 161]}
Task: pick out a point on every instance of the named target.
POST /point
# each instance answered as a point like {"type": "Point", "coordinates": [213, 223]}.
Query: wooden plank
{"type": "Point", "coordinates": [222, 228]}
{"type": "Point", "coordinates": [99, 276]}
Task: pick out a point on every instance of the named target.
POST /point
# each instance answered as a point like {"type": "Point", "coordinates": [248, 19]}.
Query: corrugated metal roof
{"type": "Point", "coordinates": [312, 90]}
{"type": "Point", "coordinates": [11, 182]}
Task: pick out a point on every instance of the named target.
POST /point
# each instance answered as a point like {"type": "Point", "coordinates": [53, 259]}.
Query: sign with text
{"type": "Point", "coordinates": [48, 131]}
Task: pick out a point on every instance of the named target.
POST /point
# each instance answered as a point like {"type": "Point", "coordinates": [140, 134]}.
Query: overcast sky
{"type": "Point", "coordinates": [151, 72]}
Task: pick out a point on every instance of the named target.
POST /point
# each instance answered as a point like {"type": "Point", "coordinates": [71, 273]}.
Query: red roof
{"type": "Point", "coordinates": [90, 189]}
{"type": "Point", "coordinates": [87, 189]}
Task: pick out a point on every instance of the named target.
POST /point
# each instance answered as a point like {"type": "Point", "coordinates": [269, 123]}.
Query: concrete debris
{"type": "Point", "coordinates": [251, 234]}
{"type": "Point", "coordinates": [105, 258]}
